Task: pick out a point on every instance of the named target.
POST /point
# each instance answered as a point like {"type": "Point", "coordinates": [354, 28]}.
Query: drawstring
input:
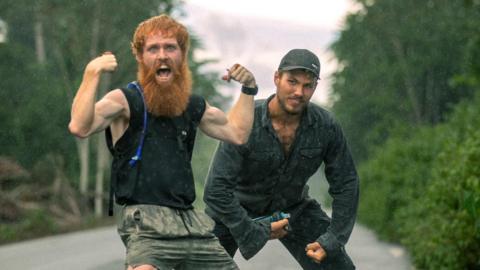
{"type": "Point", "coordinates": [182, 215]}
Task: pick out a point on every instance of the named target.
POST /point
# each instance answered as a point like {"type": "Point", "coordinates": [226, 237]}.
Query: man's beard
{"type": "Point", "coordinates": [168, 99]}
{"type": "Point", "coordinates": [292, 112]}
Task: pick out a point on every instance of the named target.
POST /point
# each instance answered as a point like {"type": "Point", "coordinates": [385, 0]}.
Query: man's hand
{"type": "Point", "coordinates": [240, 74]}
{"type": "Point", "coordinates": [278, 229]}
{"type": "Point", "coordinates": [105, 62]}
{"type": "Point", "coordinates": [315, 252]}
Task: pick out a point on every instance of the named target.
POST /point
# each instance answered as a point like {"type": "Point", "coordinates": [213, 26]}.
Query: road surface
{"type": "Point", "coordinates": [101, 249]}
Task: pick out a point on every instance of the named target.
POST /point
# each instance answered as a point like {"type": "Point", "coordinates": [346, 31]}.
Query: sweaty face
{"type": "Point", "coordinates": [162, 54]}
{"type": "Point", "coordinates": [294, 90]}
{"type": "Point", "coordinates": [164, 75]}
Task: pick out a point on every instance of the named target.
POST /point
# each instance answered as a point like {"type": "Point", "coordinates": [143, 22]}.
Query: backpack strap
{"type": "Point", "coordinates": [138, 152]}
{"type": "Point", "coordinates": [137, 109]}
{"type": "Point", "coordinates": [186, 124]}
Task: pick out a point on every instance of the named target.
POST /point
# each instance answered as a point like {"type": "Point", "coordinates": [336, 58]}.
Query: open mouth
{"type": "Point", "coordinates": [164, 72]}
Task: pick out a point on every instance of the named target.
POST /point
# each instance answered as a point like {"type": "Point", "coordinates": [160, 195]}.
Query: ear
{"type": "Point", "coordinates": [276, 78]}
{"type": "Point", "coordinates": [139, 58]}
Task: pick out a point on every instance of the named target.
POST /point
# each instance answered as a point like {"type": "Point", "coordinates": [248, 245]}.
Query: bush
{"type": "Point", "coordinates": [35, 223]}
{"type": "Point", "coordinates": [395, 177]}
{"type": "Point", "coordinates": [423, 190]}
{"type": "Point", "coordinates": [443, 229]}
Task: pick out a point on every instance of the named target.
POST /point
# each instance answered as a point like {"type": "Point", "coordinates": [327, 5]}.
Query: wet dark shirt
{"type": "Point", "coordinates": [257, 178]}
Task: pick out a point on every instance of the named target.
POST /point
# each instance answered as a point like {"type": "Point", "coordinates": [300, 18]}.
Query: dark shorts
{"type": "Point", "coordinates": [170, 239]}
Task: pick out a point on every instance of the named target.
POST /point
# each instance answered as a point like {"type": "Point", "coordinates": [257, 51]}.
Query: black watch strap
{"type": "Point", "coordinates": [252, 91]}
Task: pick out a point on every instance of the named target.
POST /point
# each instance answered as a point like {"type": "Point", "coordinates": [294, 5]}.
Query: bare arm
{"type": "Point", "coordinates": [89, 116]}
{"type": "Point", "coordinates": [236, 126]}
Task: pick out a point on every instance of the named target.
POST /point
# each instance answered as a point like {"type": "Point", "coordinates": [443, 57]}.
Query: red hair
{"type": "Point", "coordinates": [167, 27]}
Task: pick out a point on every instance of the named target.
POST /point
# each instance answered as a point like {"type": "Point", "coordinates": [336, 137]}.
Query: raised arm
{"type": "Point", "coordinates": [89, 116]}
{"type": "Point", "coordinates": [236, 126]}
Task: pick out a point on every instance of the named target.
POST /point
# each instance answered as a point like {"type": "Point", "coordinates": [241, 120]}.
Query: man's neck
{"type": "Point", "coordinates": [284, 124]}
{"type": "Point", "coordinates": [280, 116]}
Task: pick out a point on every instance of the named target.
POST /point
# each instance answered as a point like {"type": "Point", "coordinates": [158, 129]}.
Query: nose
{"type": "Point", "coordinates": [298, 90]}
{"type": "Point", "coordinates": [161, 55]}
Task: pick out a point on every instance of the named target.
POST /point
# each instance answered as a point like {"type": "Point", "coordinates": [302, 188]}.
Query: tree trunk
{"type": "Point", "coordinates": [408, 81]}
{"type": "Point", "coordinates": [84, 154]}
{"type": "Point", "coordinates": [95, 31]}
{"type": "Point", "coordinates": [102, 159]}
{"type": "Point", "coordinates": [102, 156]}
{"type": "Point", "coordinates": [82, 144]}
{"type": "Point", "coordinates": [39, 36]}
{"type": "Point", "coordinates": [432, 104]}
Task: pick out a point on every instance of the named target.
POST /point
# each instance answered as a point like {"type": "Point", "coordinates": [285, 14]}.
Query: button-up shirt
{"type": "Point", "coordinates": [259, 178]}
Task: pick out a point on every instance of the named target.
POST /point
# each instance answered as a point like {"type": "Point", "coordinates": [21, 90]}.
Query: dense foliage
{"type": "Point", "coordinates": [398, 59]}
{"type": "Point", "coordinates": [408, 95]}
{"type": "Point", "coordinates": [424, 191]}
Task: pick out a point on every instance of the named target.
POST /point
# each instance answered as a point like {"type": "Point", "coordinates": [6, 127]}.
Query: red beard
{"type": "Point", "coordinates": [166, 99]}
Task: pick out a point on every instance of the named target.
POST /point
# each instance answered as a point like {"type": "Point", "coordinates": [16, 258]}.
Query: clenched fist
{"type": "Point", "coordinates": [105, 62]}
{"type": "Point", "coordinates": [240, 74]}
{"type": "Point", "coordinates": [315, 252]}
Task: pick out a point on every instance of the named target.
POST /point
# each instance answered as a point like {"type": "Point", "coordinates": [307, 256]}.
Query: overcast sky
{"type": "Point", "coordinates": [257, 34]}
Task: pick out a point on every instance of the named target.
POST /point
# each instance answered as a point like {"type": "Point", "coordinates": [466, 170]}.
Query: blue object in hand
{"type": "Point", "coordinates": [274, 217]}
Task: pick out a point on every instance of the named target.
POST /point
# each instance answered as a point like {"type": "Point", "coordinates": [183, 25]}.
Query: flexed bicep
{"type": "Point", "coordinates": [236, 126]}
{"type": "Point", "coordinates": [215, 124]}
{"type": "Point", "coordinates": [108, 109]}
{"type": "Point", "coordinates": [111, 107]}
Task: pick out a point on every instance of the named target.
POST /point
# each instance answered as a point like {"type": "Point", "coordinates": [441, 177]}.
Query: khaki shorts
{"type": "Point", "coordinates": [168, 238]}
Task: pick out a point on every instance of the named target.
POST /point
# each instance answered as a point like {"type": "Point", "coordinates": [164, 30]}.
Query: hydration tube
{"type": "Point", "coordinates": [138, 152]}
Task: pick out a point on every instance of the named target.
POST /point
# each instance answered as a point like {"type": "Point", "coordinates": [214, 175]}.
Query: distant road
{"type": "Point", "coordinates": [101, 249]}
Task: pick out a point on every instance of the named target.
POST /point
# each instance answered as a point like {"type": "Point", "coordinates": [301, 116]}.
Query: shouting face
{"type": "Point", "coordinates": [164, 75]}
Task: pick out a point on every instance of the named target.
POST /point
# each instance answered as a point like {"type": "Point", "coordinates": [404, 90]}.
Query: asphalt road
{"type": "Point", "coordinates": [101, 249]}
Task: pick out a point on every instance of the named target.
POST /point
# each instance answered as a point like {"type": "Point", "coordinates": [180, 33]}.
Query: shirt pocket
{"type": "Point", "coordinates": [261, 163]}
{"type": "Point", "coordinates": [310, 153]}
{"type": "Point", "coordinates": [310, 159]}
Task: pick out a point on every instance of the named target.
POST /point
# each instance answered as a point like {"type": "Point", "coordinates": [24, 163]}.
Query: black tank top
{"type": "Point", "coordinates": [164, 175]}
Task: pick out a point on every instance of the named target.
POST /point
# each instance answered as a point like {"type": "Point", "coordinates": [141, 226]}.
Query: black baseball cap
{"type": "Point", "coordinates": [300, 59]}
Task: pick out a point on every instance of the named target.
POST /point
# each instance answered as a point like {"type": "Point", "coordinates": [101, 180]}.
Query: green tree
{"type": "Point", "coordinates": [423, 190]}
{"type": "Point", "coordinates": [442, 227]}
{"type": "Point", "coordinates": [50, 42]}
{"type": "Point", "coordinates": [398, 59]}
{"type": "Point", "coordinates": [395, 176]}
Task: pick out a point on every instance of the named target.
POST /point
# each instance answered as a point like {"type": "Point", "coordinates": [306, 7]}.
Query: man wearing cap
{"type": "Point", "coordinates": [268, 175]}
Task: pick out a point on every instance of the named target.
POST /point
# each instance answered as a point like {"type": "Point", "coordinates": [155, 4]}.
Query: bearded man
{"type": "Point", "coordinates": [250, 186]}
{"type": "Point", "coordinates": [151, 168]}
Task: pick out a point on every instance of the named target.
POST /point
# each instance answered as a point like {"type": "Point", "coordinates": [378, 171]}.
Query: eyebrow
{"type": "Point", "coordinates": [292, 77]}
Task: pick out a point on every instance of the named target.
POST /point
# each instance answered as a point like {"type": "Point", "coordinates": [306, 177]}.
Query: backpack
{"type": "Point", "coordinates": [185, 144]}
